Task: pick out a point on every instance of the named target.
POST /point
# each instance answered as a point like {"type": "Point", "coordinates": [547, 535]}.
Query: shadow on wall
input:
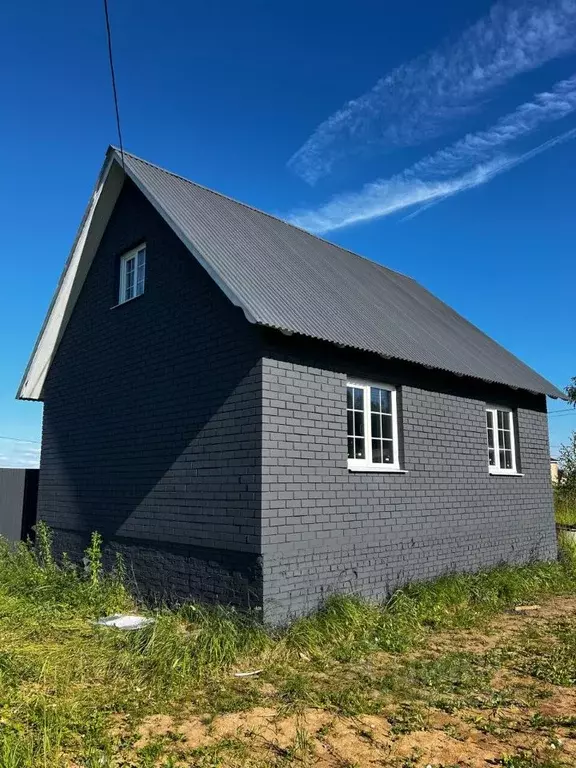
{"type": "Point", "coordinates": [152, 467]}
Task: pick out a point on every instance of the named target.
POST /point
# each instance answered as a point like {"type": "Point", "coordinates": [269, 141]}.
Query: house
{"type": "Point", "coordinates": [556, 473]}
{"type": "Point", "coordinates": [253, 415]}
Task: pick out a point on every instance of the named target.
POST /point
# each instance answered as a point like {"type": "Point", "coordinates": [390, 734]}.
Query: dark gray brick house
{"type": "Point", "coordinates": [253, 415]}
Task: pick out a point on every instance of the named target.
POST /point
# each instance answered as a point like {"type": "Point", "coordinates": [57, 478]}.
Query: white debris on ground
{"type": "Point", "coordinates": [124, 621]}
{"type": "Point", "coordinates": [248, 674]}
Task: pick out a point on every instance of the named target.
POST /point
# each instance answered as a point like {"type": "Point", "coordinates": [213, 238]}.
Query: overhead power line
{"type": "Point", "coordinates": [113, 76]}
{"type": "Point", "coordinates": [19, 440]}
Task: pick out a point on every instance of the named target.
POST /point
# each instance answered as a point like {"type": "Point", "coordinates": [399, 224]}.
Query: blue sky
{"type": "Point", "coordinates": [439, 139]}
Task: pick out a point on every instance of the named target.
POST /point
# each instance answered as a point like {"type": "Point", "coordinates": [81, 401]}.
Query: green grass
{"type": "Point", "coordinates": [64, 679]}
{"type": "Point", "coordinates": [551, 655]}
{"type": "Point", "coordinates": [565, 506]}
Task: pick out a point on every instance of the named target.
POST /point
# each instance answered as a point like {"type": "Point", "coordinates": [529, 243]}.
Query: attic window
{"type": "Point", "coordinates": [372, 427]}
{"type": "Point", "coordinates": [501, 442]}
{"type": "Point", "coordinates": [132, 274]}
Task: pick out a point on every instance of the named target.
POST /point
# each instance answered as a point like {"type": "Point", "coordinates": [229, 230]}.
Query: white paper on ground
{"type": "Point", "coordinates": [124, 621]}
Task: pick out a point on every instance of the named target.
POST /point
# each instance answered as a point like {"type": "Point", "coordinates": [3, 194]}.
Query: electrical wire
{"type": "Point", "coordinates": [113, 75]}
{"type": "Point", "coordinates": [19, 440]}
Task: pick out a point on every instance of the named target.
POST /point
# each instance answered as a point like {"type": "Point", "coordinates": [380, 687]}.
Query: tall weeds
{"type": "Point", "coordinates": [565, 505]}
{"type": "Point", "coordinates": [30, 571]}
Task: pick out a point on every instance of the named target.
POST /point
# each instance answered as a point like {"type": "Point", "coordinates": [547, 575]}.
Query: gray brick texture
{"type": "Point", "coordinates": [151, 430]}
{"type": "Point", "coordinates": [326, 529]}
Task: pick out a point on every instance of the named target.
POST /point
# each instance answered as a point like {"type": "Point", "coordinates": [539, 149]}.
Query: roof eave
{"type": "Point", "coordinates": [549, 389]}
{"type": "Point", "coordinates": [90, 231]}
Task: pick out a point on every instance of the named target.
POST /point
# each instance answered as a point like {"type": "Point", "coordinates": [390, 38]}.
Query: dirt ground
{"type": "Point", "coordinates": [512, 719]}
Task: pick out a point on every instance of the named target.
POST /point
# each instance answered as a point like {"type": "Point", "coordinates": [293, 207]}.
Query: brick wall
{"type": "Point", "coordinates": [151, 427]}
{"type": "Point", "coordinates": [326, 529]}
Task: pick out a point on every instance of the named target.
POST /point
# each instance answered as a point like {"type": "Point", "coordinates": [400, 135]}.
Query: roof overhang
{"type": "Point", "coordinates": [87, 240]}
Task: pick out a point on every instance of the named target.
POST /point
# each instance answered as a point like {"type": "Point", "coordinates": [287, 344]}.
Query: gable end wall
{"type": "Point", "coordinates": [152, 428]}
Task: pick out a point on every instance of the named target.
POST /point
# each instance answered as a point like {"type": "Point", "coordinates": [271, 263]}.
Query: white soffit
{"type": "Point", "coordinates": [72, 279]}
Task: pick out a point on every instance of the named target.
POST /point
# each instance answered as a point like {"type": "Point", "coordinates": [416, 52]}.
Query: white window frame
{"type": "Point", "coordinates": [367, 465]}
{"type": "Point", "coordinates": [133, 254]}
{"type": "Point", "coordinates": [497, 469]}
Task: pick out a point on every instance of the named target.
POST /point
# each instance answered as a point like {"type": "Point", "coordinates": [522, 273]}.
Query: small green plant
{"type": "Point", "coordinates": [93, 559]}
{"type": "Point", "coordinates": [408, 718]}
{"type": "Point", "coordinates": [527, 760]}
{"type": "Point", "coordinates": [44, 540]}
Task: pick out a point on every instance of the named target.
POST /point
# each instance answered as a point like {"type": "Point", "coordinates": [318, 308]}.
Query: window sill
{"type": "Point", "coordinates": [128, 301]}
{"type": "Point", "coordinates": [506, 474]}
{"type": "Point", "coordinates": [381, 470]}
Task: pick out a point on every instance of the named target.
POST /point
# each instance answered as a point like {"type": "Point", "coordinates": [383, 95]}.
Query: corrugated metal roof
{"type": "Point", "coordinates": [286, 278]}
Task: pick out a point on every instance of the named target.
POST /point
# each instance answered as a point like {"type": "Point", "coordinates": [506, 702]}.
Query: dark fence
{"type": "Point", "coordinates": [18, 499]}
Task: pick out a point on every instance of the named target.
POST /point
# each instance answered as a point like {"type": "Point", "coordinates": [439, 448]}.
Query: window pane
{"type": "Point", "coordinates": [359, 448]}
{"type": "Point", "coordinates": [502, 459]}
{"type": "Point", "coordinates": [502, 419]}
{"type": "Point", "coordinates": [387, 452]}
{"type": "Point", "coordinates": [491, 457]}
{"type": "Point", "coordinates": [358, 399]}
{"type": "Point", "coordinates": [505, 439]}
{"type": "Point", "coordinates": [358, 423]}
{"type": "Point", "coordinates": [129, 279]}
{"type": "Point", "coordinates": [507, 460]}
{"type": "Point", "coordinates": [386, 400]}
{"type": "Point", "coordinates": [141, 257]}
{"type": "Point", "coordinates": [376, 425]}
{"type": "Point", "coordinates": [489, 419]}
{"type": "Point", "coordinates": [350, 447]}
{"type": "Point", "coordinates": [377, 451]}
{"type": "Point", "coordinates": [380, 400]}
{"type": "Point", "coordinates": [490, 438]}
{"type": "Point", "coordinates": [351, 422]}
{"type": "Point", "coordinates": [387, 426]}
{"type": "Point", "coordinates": [349, 397]}
{"type": "Point", "coordinates": [141, 270]}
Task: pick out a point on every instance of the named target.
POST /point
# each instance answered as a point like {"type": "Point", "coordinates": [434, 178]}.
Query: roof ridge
{"type": "Point", "coordinates": [264, 213]}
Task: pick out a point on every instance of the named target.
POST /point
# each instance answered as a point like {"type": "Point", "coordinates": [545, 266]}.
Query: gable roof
{"type": "Point", "coordinates": [284, 278]}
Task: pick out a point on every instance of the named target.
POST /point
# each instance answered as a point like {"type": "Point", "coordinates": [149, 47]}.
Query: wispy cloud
{"type": "Point", "coordinates": [545, 107]}
{"type": "Point", "coordinates": [381, 198]}
{"type": "Point", "coordinates": [18, 453]}
{"type": "Point", "coordinates": [424, 97]}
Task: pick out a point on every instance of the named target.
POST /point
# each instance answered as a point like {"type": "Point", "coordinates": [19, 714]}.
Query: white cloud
{"type": "Point", "coordinates": [381, 198]}
{"type": "Point", "coordinates": [19, 453]}
{"type": "Point", "coordinates": [545, 107]}
{"type": "Point", "coordinates": [424, 97]}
